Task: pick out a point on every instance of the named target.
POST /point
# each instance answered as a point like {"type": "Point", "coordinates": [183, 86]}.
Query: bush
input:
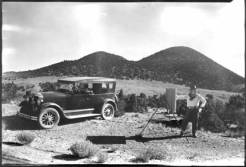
{"type": "Point", "coordinates": [151, 153]}
{"type": "Point", "coordinates": [101, 157]}
{"type": "Point", "coordinates": [84, 149]}
{"type": "Point", "coordinates": [235, 112]}
{"type": "Point", "coordinates": [131, 102]}
{"type": "Point", "coordinates": [157, 101]}
{"type": "Point", "coordinates": [140, 103]}
{"type": "Point", "coordinates": [25, 138]}
{"type": "Point", "coordinates": [209, 118]}
{"type": "Point", "coordinates": [9, 91]}
{"type": "Point", "coordinates": [237, 101]}
{"type": "Point", "coordinates": [121, 108]}
{"type": "Point", "coordinates": [121, 94]}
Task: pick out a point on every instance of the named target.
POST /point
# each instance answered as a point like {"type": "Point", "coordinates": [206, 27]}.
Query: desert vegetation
{"type": "Point", "coordinates": [11, 91]}
{"type": "Point", "coordinates": [84, 149]}
{"type": "Point", "coordinates": [25, 138]}
{"type": "Point", "coordinates": [101, 157]}
{"type": "Point", "coordinates": [150, 153]}
{"type": "Point", "coordinates": [218, 115]}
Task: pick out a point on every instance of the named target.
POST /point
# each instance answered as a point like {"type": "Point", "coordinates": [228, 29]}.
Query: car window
{"type": "Point", "coordinates": [104, 85]}
{"type": "Point", "coordinates": [82, 88]}
{"type": "Point", "coordinates": [65, 87]}
{"type": "Point", "coordinates": [104, 88]}
{"type": "Point", "coordinates": [90, 85]}
{"type": "Point", "coordinates": [111, 85]}
{"type": "Point", "coordinates": [96, 88]}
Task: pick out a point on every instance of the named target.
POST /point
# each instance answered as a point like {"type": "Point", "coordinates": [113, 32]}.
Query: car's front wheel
{"type": "Point", "coordinates": [48, 118]}
{"type": "Point", "coordinates": [107, 111]}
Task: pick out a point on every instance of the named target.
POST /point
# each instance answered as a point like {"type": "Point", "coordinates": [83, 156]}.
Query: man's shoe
{"type": "Point", "coordinates": [181, 133]}
{"type": "Point", "coordinates": [194, 136]}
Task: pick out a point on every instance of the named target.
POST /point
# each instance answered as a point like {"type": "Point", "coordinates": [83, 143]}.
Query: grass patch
{"type": "Point", "coordinates": [151, 153]}
{"type": "Point", "coordinates": [84, 149]}
{"type": "Point", "coordinates": [25, 138]}
{"type": "Point", "coordinates": [101, 157]}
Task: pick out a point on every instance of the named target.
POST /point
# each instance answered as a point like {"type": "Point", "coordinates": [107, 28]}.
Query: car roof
{"type": "Point", "coordinates": [86, 79]}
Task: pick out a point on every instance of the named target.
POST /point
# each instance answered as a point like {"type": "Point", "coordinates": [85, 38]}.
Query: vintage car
{"type": "Point", "coordinates": [74, 97]}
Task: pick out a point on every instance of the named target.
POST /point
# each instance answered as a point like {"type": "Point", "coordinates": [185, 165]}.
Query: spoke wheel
{"type": "Point", "coordinates": [108, 111]}
{"type": "Point", "coordinates": [49, 118]}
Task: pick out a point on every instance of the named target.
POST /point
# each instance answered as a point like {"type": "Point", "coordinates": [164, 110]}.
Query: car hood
{"type": "Point", "coordinates": [55, 97]}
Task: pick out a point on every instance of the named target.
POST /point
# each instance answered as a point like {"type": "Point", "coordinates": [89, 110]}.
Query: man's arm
{"type": "Point", "coordinates": [203, 100]}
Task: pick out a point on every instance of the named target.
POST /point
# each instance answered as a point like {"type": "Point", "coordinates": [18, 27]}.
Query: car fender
{"type": "Point", "coordinates": [53, 105]}
{"type": "Point", "coordinates": [111, 101]}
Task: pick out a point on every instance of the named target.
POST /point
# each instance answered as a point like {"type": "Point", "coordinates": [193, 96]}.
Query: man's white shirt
{"type": "Point", "coordinates": [195, 101]}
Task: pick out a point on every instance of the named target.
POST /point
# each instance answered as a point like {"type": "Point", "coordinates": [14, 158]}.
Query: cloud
{"type": "Point", "coordinates": [7, 56]}
{"type": "Point", "coordinates": [8, 51]}
{"type": "Point", "coordinates": [52, 32]}
{"type": "Point", "coordinates": [9, 27]}
{"type": "Point", "coordinates": [186, 23]}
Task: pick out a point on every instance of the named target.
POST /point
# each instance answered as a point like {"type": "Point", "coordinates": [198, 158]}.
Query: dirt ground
{"type": "Point", "coordinates": [51, 146]}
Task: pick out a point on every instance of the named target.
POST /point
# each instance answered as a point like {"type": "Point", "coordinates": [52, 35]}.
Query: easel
{"type": "Point", "coordinates": [171, 108]}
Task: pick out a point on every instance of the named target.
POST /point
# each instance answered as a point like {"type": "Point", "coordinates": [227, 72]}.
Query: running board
{"type": "Point", "coordinates": [78, 110]}
{"type": "Point", "coordinates": [81, 116]}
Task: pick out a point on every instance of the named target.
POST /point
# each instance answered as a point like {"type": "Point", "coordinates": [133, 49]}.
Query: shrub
{"type": "Point", "coordinates": [142, 157]}
{"type": "Point", "coordinates": [131, 103]}
{"type": "Point", "coordinates": [141, 103]}
{"type": "Point", "coordinates": [121, 108]}
{"type": "Point", "coordinates": [219, 108]}
{"type": "Point", "coordinates": [151, 153]}
{"type": "Point", "coordinates": [25, 138]}
{"type": "Point", "coordinates": [101, 157]}
{"type": "Point", "coordinates": [9, 91]}
{"type": "Point", "coordinates": [157, 101]}
{"type": "Point", "coordinates": [237, 101]}
{"type": "Point", "coordinates": [84, 149]}
{"type": "Point", "coordinates": [121, 94]}
{"type": "Point", "coordinates": [235, 111]}
{"type": "Point", "coordinates": [209, 118]}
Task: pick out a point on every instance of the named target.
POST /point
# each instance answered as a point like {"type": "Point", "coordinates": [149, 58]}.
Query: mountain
{"type": "Point", "coordinates": [181, 65]}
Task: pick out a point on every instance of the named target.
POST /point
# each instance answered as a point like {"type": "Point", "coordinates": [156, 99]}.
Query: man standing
{"type": "Point", "coordinates": [195, 103]}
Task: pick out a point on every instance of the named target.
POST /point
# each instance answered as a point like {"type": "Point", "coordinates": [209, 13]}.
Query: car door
{"type": "Point", "coordinates": [80, 99]}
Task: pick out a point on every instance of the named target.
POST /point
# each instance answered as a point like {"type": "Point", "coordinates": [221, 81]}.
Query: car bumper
{"type": "Point", "coordinates": [27, 116]}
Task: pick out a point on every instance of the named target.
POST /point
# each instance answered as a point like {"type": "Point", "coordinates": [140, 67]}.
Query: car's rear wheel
{"type": "Point", "coordinates": [48, 118]}
{"type": "Point", "coordinates": [107, 111]}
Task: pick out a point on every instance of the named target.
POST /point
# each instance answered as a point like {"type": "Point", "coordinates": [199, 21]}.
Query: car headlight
{"type": "Point", "coordinates": [39, 98]}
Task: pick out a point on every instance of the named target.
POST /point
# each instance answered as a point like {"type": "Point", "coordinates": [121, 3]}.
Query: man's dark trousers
{"type": "Point", "coordinates": [191, 115]}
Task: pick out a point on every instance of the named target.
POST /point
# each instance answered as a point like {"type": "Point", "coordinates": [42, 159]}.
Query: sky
{"type": "Point", "coordinates": [37, 34]}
